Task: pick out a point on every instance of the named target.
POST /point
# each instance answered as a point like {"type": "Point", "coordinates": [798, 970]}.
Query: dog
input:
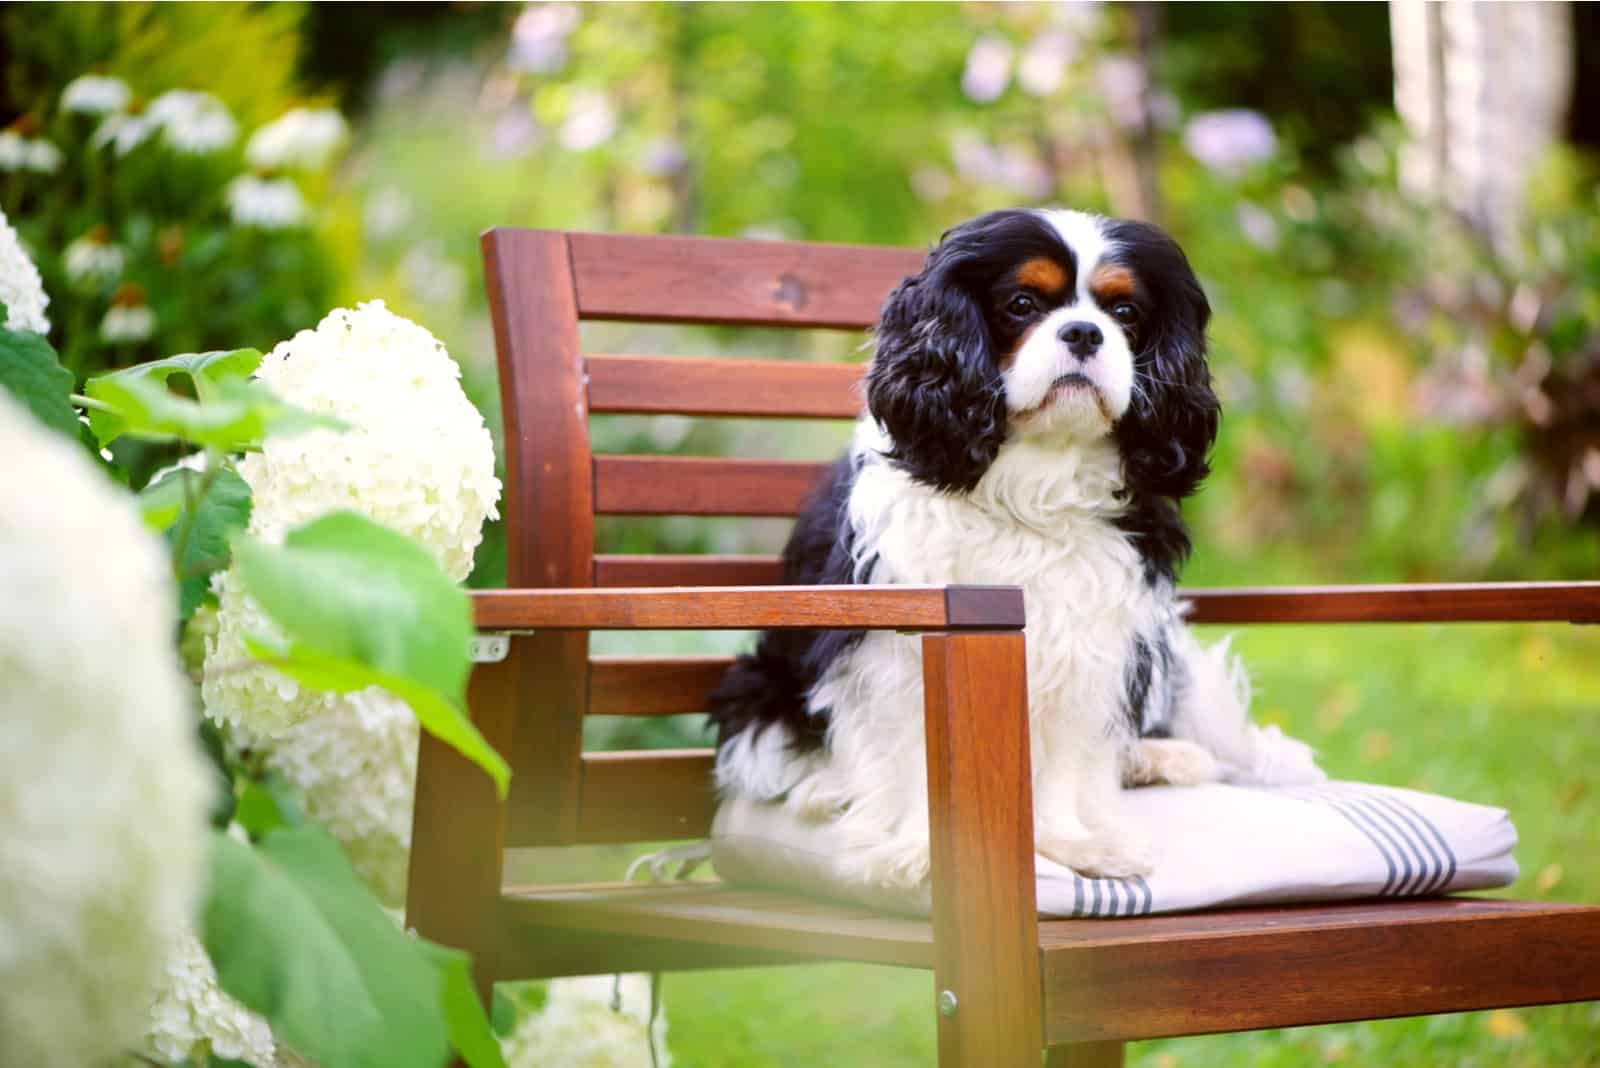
{"type": "Point", "coordinates": [1038, 402]}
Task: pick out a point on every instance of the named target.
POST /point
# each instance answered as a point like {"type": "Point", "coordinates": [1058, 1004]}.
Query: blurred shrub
{"type": "Point", "coordinates": [153, 230]}
{"type": "Point", "coordinates": [242, 53]}
{"type": "Point", "coordinates": [1511, 338]}
{"type": "Point", "coordinates": [888, 123]}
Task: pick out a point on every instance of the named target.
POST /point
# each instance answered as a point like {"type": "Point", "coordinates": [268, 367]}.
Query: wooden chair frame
{"type": "Point", "coordinates": [1008, 984]}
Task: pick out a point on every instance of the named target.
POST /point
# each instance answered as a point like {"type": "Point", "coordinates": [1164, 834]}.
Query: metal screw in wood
{"type": "Point", "coordinates": [948, 1003]}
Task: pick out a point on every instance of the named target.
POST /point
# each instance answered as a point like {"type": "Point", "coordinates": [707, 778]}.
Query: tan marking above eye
{"type": "Point", "coordinates": [1045, 275]}
{"type": "Point", "coordinates": [1112, 282]}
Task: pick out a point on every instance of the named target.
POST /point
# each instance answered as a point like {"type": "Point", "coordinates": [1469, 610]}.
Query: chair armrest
{"type": "Point", "coordinates": [922, 608]}
{"type": "Point", "coordinates": [1497, 602]}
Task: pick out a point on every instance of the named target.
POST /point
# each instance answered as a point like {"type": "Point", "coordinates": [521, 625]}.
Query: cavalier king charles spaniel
{"type": "Point", "coordinates": [1037, 405]}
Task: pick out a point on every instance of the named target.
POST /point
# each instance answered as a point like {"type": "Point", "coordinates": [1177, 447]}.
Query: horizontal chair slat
{"type": "Point", "coordinates": [726, 917]}
{"type": "Point", "coordinates": [1111, 980]}
{"type": "Point", "coordinates": [686, 570]}
{"type": "Point", "coordinates": [673, 385]}
{"type": "Point", "coordinates": [694, 485]}
{"type": "Point", "coordinates": [750, 283]}
{"type": "Point", "coordinates": [644, 795]}
{"type": "Point", "coordinates": [1494, 602]}
{"type": "Point", "coordinates": [653, 685]}
{"type": "Point", "coordinates": [748, 607]}
{"type": "Point", "coordinates": [1498, 602]}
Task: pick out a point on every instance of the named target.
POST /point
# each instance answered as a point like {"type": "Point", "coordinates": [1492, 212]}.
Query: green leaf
{"type": "Point", "coordinates": [224, 509]}
{"type": "Point", "coordinates": [235, 415]}
{"type": "Point", "coordinates": [30, 370]}
{"type": "Point", "coordinates": [161, 502]}
{"type": "Point", "coordinates": [361, 605]}
{"type": "Point", "coordinates": [298, 938]}
{"type": "Point", "coordinates": [268, 804]}
{"type": "Point", "coordinates": [470, 1032]}
{"type": "Point", "coordinates": [204, 370]}
{"type": "Point", "coordinates": [503, 1016]}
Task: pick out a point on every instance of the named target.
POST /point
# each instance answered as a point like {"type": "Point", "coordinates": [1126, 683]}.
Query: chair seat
{"type": "Point", "coordinates": [1143, 977]}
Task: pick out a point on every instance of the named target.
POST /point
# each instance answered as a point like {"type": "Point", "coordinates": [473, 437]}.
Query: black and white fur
{"type": "Point", "coordinates": [1037, 404]}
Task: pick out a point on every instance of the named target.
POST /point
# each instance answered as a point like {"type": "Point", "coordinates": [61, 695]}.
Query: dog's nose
{"type": "Point", "coordinates": [1083, 339]}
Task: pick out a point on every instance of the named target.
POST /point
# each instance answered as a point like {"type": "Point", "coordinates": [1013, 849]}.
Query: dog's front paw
{"type": "Point", "coordinates": [1111, 856]}
{"type": "Point", "coordinates": [1152, 761]}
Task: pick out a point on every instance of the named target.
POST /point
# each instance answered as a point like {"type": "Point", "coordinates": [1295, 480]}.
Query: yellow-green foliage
{"type": "Point", "coordinates": [244, 54]}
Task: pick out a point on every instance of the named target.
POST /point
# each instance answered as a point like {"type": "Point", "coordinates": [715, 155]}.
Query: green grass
{"type": "Point", "coordinates": [1506, 715]}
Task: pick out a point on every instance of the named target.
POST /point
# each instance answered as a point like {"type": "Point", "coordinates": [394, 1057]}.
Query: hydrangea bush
{"type": "Point", "coordinates": [592, 1021]}
{"type": "Point", "coordinates": [102, 785]}
{"type": "Point", "coordinates": [103, 793]}
{"type": "Point", "coordinates": [160, 224]}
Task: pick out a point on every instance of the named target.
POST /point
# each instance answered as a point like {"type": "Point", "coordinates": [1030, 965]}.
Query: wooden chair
{"type": "Point", "coordinates": [1008, 985]}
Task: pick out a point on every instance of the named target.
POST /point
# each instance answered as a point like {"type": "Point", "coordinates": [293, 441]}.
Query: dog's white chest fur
{"type": "Point", "coordinates": [1043, 518]}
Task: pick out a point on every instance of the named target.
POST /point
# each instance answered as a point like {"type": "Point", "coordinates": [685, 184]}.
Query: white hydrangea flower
{"type": "Point", "coordinates": [21, 288]}
{"type": "Point", "coordinates": [301, 137]}
{"type": "Point", "coordinates": [270, 203]}
{"type": "Point", "coordinates": [418, 459]}
{"type": "Point", "coordinates": [354, 759]}
{"type": "Point", "coordinates": [192, 1019]}
{"type": "Point", "coordinates": [95, 94]}
{"type": "Point", "coordinates": [103, 795]}
{"type": "Point", "coordinates": [94, 258]}
{"type": "Point", "coordinates": [578, 1028]}
{"type": "Point", "coordinates": [194, 123]}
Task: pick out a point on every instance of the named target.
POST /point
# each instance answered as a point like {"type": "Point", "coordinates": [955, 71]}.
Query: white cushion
{"type": "Point", "coordinates": [1214, 845]}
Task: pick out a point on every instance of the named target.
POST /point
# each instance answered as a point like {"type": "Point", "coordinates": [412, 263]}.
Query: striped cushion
{"type": "Point", "coordinates": [1214, 845]}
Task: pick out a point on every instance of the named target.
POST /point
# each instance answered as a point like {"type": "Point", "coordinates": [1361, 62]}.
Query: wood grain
{"type": "Point", "coordinates": [1086, 1055]}
{"type": "Point", "coordinates": [753, 283]}
{"type": "Point", "coordinates": [458, 829]}
{"type": "Point", "coordinates": [649, 385]}
{"type": "Point", "coordinates": [748, 607]}
{"type": "Point", "coordinates": [647, 796]}
{"type": "Point", "coordinates": [534, 952]}
{"type": "Point", "coordinates": [723, 915]}
{"type": "Point", "coordinates": [1495, 602]}
{"type": "Point", "coordinates": [980, 816]}
{"type": "Point", "coordinates": [684, 570]}
{"type": "Point", "coordinates": [697, 485]}
{"type": "Point", "coordinates": [1489, 602]}
{"type": "Point", "coordinates": [1148, 977]}
{"type": "Point", "coordinates": [653, 685]}
{"type": "Point", "coordinates": [548, 506]}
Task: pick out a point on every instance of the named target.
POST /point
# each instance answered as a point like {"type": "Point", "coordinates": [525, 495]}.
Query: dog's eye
{"type": "Point", "coordinates": [1022, 304]}
{"type": "Point", "coordinates": [1126, 314]}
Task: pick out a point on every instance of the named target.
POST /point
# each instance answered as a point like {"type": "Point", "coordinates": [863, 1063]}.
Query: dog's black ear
{"type": "Point", "coordinates": [1167, 433]}
{"type": "Point", "coordinates": [934, 384]}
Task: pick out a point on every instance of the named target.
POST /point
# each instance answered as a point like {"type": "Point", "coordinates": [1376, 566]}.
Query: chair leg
{"type": "Point", "coordinates": [1085, 1055]}
{"type": "Point", "coordinates": [458, 829]}
{"type": "Point", "coordinates": [980, 813]}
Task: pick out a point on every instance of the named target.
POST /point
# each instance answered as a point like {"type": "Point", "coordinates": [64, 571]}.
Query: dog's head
{"type": "Point", "coordinates": [1047, 325]}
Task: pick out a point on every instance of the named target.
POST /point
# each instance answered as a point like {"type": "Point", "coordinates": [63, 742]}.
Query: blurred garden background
{"type": "Point", "coordinates": [1393, 210]}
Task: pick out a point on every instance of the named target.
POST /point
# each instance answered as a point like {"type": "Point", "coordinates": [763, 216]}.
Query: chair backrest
{"type": "Point", "coordinates": [541, 285]}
